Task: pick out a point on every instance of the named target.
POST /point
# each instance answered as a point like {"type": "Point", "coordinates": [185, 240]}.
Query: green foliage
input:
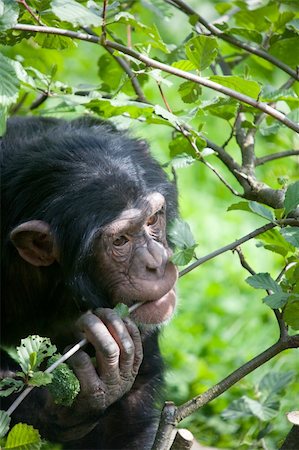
{"type": "Point", "coordinates": [33, 351]}
{"type": "Point", "coordinates": [122, 310]}
{"type": "Point", "coordinates": [23, 437]}
{"type": "Point", "coordinates": [181, 236]}
{"type": "Point", "coordinates": [4, 423]}
{"type": "Point", "coordinates": [65, 385]}
{"type": "Point", "coordinates": [218, 312]}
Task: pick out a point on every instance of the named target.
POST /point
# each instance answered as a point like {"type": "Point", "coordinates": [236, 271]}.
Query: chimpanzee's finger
{"type": "Point", "coordinates": [122, 336]}
{"type": "Point", "coordinates": [107, 349]}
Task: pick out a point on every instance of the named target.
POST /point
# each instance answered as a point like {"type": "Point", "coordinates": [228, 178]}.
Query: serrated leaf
{"type": "Point", "coordinates": [264, 411]}
{"type": "Point", "coordinates": [180, 235]}
{"type": "Point", "coordinates": [240, 206]}
{"type": "Point", "coordinates": [182, 160]}
{"type": "Point", "coordinates": [10, 385]}
{"type": "Point", "coordinates": [262, 211]}
{"type": "Point", "coordinates": [291, 200]}
{"type": "Point", "coordinates": [122, 310]}
{"type": "Point", "coordinates": [53, 41]}
{"type": "Point", "coordinates": [291, 235]}
{"type": "Point", "coordinates": [202, 51]}
{"type": "Point", "coordinates": [183, 257]}
{"type": "Point", "coordinates": [4, 423]}
{"type": "Point", "coordinates": [40, 379]}
{"type": "Point", "coordinates": [75, 13]}
{"type": "Point", "coordinates": [184, 64]}
{"type": "Point", "coordinates": [34, 344]}
{"type": "Point", "coordinates": [286, 50]}
{"type": "Point", "coordinates": [277, 300]}
{"type": "Point", "coordinates": [9, 83]}
{"type": "Point", "coordinates": [237, 409]}
{"type": "Point", "coordinates": [247, 87]}
{"type": "Point", "coordinates": [273, 238]}
{"type": "Point", "coordinates": [263, 281]}
{"type": "Point", "coordinates": [9, 12]}
{"type": "Point", "coordinates": [274, 382]}
{"type": "Point", "coordinates": [291, 314]}
{"type": "Point", "coordinates": [189, 91]}
{"type": "Point", "coordinates": [23, 437]}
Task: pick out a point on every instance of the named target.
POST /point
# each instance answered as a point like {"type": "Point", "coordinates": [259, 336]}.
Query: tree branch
{"type": "Point", "coordinates": [164, 67]}
{"type": "Point", "coordinates": [182, 6]}
{"type": "Point", "coordinates": [267, 158]}
{"type": "Point", "coordinates": [238, 242]}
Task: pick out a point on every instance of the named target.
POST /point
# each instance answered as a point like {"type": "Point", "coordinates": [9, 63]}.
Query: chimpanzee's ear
{"type": "Point", "coordinates": [35, 243]}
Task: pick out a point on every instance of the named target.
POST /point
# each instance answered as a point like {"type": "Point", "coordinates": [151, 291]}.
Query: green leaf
{"type": "Point", "coordinates": [240, 206]}
{"type": "Point", "coordinates": [250, 35]}
{"type": "Point", "coordinates": [181, 235]}
{"type": "Point", "coordinates": [23, 437]}
{"type": "Point", "coordinates": [75, 13]}
{"type": "Point", "coordinates": [262, 211]}
{"type": "Point", "coordinates": [275, 382]}
{"type": "Point", "coordinates": [291, 234]}
{"type": "Point", "coordinates": [183, 257]}
{"type": "Point", "coordinates": [265, 411]}
{"type": "Point", "coordinates": [10, 385]}
{"type": "Point", "coordinates": [182, 160]}
{"type": "Point", "coordinates": [274, 241]}
{"type": "Point", "coordinates": [9, 12]}
{"type": "Point", "coordinates": [202, 51]}
{"type": "Point", "coordinates": [122, 310]}
{"type": "Point", "coordinates": [34, 344]}
{"type": "Point", "coordinates": [54, 41]}
{"type": "Point", "coordinates": [237, 409]}
{"type": "Point", "coordinates": [286, 50]}
{"type": "Point", "coordinates": [247, 87]}
{"type": "Point", "coordinates": [40, 379]}
{"type": "Point", "coordinates": [65, 385]}
{"type": "Point", "coordinates": [263, 281]}
{"type": "Point", "coordinates": [184, 64]}
{"type": "Point", "coordinates": [291, 200]}
{"type": "Point", "coordinates": [220, 107]}
{"type": "Point", "coordinates": [189, 91]}
{"type": "Point", "coordinates": [277, 300]}
{"type": "Point", "coordinates": [291, 313]}
{"type": "Point", "coordinates": [4, 423]}
{"type": "Point", "coordinates": [9, 83]}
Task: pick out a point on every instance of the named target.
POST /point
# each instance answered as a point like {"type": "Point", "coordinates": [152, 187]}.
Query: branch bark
{"type": "Point", "coordinates": [184, 7]}
{"type": "Point", "coordinates": [264, 107]}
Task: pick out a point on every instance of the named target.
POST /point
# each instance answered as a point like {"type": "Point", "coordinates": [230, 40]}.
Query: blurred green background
{"type": "Point", "coordinates": [220, 321]}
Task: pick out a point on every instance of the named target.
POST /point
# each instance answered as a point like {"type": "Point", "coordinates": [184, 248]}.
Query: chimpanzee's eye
{"type": "Point", "coordinates": [121, 240]}
{"type": "Point", "coordinates": [153, 219]}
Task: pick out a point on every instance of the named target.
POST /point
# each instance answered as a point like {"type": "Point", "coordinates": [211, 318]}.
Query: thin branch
{"type": "Point", "coordinates": [182, 6]}
{"type": "Point", "coordinates": [104, 33]}
{"type": "Point", "coordinates": [32, 14]}
{"type": "Point", "coordinates": [274, 156]}
{"type": "Point", "coordinates": [164, 67]}
{"type": "Point", "coordinates": [238, 242]}
{"type": "Point", "coordinates": [283, 331]}
{"type": "Point", "coordinates": [192, 405]}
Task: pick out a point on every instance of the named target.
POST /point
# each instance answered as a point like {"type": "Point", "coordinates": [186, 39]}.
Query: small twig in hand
{"type": "Point", "coordinates": [53, 366]}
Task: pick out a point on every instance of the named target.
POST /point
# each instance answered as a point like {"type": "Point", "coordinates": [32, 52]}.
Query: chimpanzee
{"type": "Point", "coordinates": [84, 215]}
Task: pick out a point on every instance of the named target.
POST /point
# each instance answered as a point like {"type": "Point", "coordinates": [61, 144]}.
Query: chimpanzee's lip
{"type": "Point", "coordinates": [155, 311]}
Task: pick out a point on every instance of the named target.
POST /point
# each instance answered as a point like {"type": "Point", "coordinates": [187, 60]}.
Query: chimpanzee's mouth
{"type": "Point", "coordinates": [154, 311]}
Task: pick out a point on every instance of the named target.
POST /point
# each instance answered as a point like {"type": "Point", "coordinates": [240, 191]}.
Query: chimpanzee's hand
{"type": "Point", "coordinates": [118, 352]}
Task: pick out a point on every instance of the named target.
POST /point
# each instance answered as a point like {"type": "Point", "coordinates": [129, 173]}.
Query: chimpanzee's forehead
{"type": "Point", "coordinates": [135, 216]}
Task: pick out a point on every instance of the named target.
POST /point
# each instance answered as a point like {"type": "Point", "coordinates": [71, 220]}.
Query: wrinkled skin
{"type": "Point", "coordinates": [63, 280]}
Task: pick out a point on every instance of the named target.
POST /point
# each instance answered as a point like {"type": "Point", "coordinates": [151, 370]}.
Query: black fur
{"type": "Point", "coordinates": [77, 176]}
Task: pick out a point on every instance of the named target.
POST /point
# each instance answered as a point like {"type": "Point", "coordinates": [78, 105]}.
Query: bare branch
{"type": "Point", "coordinates": [238, 242]}
{"type": "Point", "coordinates": [274, 156]}
{"type": "Point", "coordinates": [164, 67]}
{"type": "Point", "coordinates": [182, 6]}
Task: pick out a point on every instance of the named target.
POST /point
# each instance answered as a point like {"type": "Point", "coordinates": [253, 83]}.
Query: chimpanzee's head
{"type": "Point", "coordinates": [93, 202]}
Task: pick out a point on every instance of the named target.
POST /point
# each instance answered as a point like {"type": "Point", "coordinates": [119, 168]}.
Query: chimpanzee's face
{"type": "Point", "coordinates": [133, 263]}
